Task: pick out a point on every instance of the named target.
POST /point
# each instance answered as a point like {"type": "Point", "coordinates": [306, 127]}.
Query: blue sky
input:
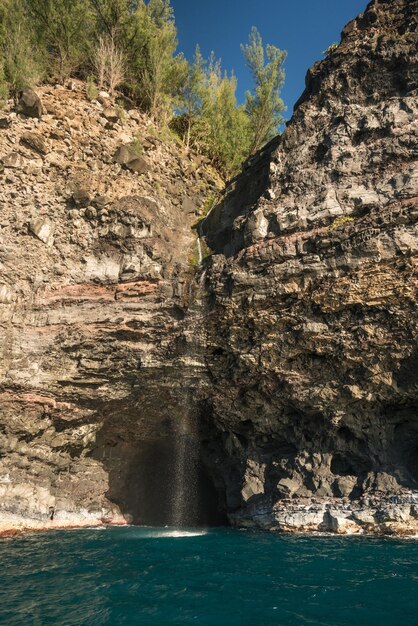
{"type": "Point", "coordinates": [302, 27]}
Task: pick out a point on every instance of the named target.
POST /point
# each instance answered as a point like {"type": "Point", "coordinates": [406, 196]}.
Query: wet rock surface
{"type": "Point", "coordinates": [312, 298]}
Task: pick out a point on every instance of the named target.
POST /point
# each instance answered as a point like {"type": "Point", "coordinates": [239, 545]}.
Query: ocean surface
{"type": "Point", "coordinates": [149, 576]}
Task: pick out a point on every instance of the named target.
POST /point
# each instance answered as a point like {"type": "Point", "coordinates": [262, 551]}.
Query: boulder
{"type": "Point", "coordinates": [43, 229]}
{"type": "Point", "coordinates": [91, 213]}
{"type": "Point", "coordinates": [120, 231]}
{"type": "Point", "coordinates": [58, 133]}
{"type": "Point", "coordinates": [36, 142]}
{"type": "Point", "coordinates": [6, 294]}
{"type": "Point", "coordinates": [125, 154]}
{"type": "Point", "coordinates": [99, 202]}
{"type": "Point", "coordinates": [288, 486]}
{"type": "Point", "coordinates": [344, 485]}
{"type": "Point", "coordinates": [13, 160]}
{"type": "Point", "coordinates": [81, 197]}
{"type": "Point", "coordinates": [139, 165]}
{"type": "Point", "coordinates": [188, 205]}
{"type": "Point", "coordinates": [134, 114]}
{"type": "Point", "coordinates": [111, 114]}
{"type": "Point", "coordinates": [103, 97]}
{"type": "Point", "coordinates": [30, 104]}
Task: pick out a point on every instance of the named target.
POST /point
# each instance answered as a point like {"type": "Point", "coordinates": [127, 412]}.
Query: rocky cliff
{"type": "Point", "coordinates": [97, 254]}
{"type": "Point", "coordinates": [285, 368]}
{"type": "Point", "coordinates": [313, 299]}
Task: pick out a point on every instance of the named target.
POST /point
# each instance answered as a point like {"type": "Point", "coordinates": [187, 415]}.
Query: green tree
{"type": "Point", "coordinates": [264, 106]}
{"type": "Point", "coordinates": [218, 125]}
{"type": "Point", "coordinates": [64, 29]}
{"type": "Point", "coordinates": [20, 63]}
{"type": "Point", "coordinates": [4, 89]}
{"type": "Point", "coordinates": [156, 73]}
{"type": "Point", "coordinates": [190, 109]}
{"type": "Point", "coordinates": [228, 124]}
{"type": "Point", "coordinates": [112, 17]}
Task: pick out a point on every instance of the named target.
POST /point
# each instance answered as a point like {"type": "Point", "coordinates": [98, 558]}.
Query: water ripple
{"type": "Point", "coordinates": [147, 576]}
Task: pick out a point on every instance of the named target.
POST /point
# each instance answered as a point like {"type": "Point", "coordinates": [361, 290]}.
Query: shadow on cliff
{"type": "Point", "coordinates": [305, 460]}
{"type": "Point", "coordinates": [159, 480]}
{"type": "Point", "coordinates": [241, 194]}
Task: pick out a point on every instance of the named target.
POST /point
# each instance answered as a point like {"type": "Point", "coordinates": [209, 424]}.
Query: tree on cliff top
{"type": "Point", "coordinates": [209, 118]}
{"type": "Point", "coordinates": [264, 106]}
{"type": "Point", "coordinates": [190, 108]}
{"type": "Point", "coordinates": [144, 34]}
{"type": "Point", "coordinates": [224, 131]}
{"type": "Point", "coordinates": [131, 45]}
{"type": "Point", "coordinates": [20, 60]}
{"type": "Point", "coordinates": [112, 16]}
{"type": "Point", "coordinates": [156, 74]}
{"type": "Point", "coordinates": [63, 28]}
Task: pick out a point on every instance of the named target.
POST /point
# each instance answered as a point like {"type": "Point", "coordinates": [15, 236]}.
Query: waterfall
{"type": "Point", "coordinates": [213, 205]}
{"type": "Point", "coordinates": [184, 505]}
{"type": "Point", "coordinates": [184, 501]}
{"type": "Point", "coordinates": [199, 228]}
{"type": "Point", "coordinates": [199, 249]}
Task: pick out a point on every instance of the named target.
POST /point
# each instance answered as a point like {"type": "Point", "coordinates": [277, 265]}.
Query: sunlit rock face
{"type": "Point", "coordinates": [312, 296]}
{"type": "Point", "coordinates": [98, 365]}
{"type": "Point", "coordinates": [283, 372]}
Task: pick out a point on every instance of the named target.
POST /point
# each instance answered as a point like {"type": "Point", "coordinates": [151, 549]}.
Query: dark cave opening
{"type": "Point", "coordinates": [405, 438]}
{"type": "Point", "coordinates": [349, 464]}
{"type": "Point", "coordinates": [341, 466]}
{"type": "Point", "coordinates": [412, 464]}
{"type": "Point", "coordinates": [145, 481]}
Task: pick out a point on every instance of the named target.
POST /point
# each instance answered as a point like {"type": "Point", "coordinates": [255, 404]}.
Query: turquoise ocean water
{"type": "Point", "coordinates": [217, 577]}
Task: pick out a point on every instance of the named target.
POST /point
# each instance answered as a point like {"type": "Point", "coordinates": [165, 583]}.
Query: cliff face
{"type": "Point", "coordinates": [96, 264]}
{"type": "Point", "coordinates": [313, 301]}
{"type": "Point", "coordinates": [289, 366]}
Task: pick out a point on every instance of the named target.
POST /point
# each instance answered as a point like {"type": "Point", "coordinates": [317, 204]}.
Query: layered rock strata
{"type": "Point", "coordinates": [312, 297]}
{"type": "Point", "coordinates": [291, 362]}
{"type": "Point", "coordinates": [96, 256]}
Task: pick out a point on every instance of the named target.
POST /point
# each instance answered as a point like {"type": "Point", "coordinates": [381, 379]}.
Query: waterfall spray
{"type": "Point", "coordinates": [184, 506]}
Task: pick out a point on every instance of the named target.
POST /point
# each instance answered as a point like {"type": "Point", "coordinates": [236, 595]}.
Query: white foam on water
{"type": "Point", "coordinates": [186, 533]}
{"type": "Point", "coordinates": [177, 533]}
{"type": "Point", "coordinates": [169, 533]}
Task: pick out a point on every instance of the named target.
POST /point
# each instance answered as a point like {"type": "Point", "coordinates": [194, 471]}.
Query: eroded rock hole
{"type": "Point", "coordinates": [342, 466]}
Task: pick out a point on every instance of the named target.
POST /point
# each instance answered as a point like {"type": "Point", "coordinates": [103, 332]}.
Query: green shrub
{"type": "Point", "coordinates": [340, 221]}
{"type": "Point", "coordinates": [120, 110]}
{"type": "Point", "coordinates": [63, 30]}
{"type": "Point", "coordinates": [91, 89]}
{"type": "Point", "coordinates": [4, 90]}
{"type": "Point", "coordinates": [137, 146]}
{"type": "Point", "coordinates": [330, 49]}
{"type": "Point", "coordinates": [22, 61]}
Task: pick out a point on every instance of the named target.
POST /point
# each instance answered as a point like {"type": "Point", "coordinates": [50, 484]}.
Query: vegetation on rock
{"type": "Point", "coordinates": [330, 48]}
{"type": "Point", "coordinates": [132, 46]}
{"type": "Point", "coordinates": [264, 107]}
{"type": "Point", "coordinates": [340, 221]}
